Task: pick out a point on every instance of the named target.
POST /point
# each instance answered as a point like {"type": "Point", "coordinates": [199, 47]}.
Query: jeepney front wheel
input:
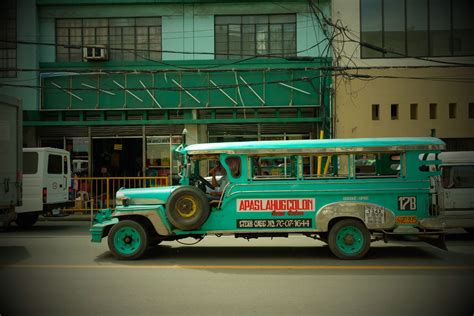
{"type": "Point", "coordinates": [187, 208]}
{"type": "Point", "coordinates": [128, 240]}
{"type": "Point", "coordinates": [349, 239]}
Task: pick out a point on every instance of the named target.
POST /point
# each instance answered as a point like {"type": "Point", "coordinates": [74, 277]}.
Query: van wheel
{"type": "Point", "coordinates": [349, 239]}
{"type": "Point", "coordinates": [187, 208]}
{"type": "Point", "coordinates": [26, 220]}
{"type": "Point", "coordinates": [128, 240]}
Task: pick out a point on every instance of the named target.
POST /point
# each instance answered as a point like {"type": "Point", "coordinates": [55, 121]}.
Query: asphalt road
{"type": "Point", "coordinates": [53, 269]}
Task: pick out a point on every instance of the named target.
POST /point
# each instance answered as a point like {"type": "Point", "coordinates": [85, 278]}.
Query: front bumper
{"type": "Point", "coordinates": [432, 223]}
{"type": "Point", "coordinates": [99, 231]}
{"type": "Point", "coordinates": [102, 223]}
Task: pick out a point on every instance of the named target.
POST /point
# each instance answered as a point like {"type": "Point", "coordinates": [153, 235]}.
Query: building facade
{"type": "Point", "coordinates": [408, 70]}
{"type": "Point", "coordinates": [116, 82]}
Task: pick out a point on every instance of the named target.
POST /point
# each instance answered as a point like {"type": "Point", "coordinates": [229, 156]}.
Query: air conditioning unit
{"type": "Point", "coordinates": [95, 53]}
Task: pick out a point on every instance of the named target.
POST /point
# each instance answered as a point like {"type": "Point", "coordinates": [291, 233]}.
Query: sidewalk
{"type": "Point", "coordinates": [66, 217]}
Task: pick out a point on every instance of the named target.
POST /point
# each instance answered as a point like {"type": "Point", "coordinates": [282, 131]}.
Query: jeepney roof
{"type": "Point", "coordinates": [385, 144]}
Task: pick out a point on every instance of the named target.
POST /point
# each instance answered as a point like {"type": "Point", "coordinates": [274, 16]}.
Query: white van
{"type": "Point", "coordinates": [46, 183]}
{"type": "Point", "coordinates": [456, 192]}
{"type": "Point", "coordinates": [80, 167]}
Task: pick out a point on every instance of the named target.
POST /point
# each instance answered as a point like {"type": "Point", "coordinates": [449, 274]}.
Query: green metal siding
{"type": "Point", "coordinates": [171, 89]}
{"type": "Point", "coordinates": [187, 42]}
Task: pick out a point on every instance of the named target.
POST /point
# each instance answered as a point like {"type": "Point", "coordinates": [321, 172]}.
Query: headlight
{"type": "Point", "coordinates": [121, 199]}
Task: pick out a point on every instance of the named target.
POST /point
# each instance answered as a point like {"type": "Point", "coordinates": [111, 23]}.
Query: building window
{"type": "Point", "coordinates": [433, 111]}
{"type": "Point", "coordinates": [471, 110]}
{"type": "Point", "coordinates": [127, 38]}
{"type": "Point", "coordinates": [452, 110]}
{"type": "Point", "coordinates": [413, 111]}
{"type": "Point", "coordinates": [401, 28]}
{"type": "Point", "coordinates": [8, 37]}
{"type": "Point", "coordinates": [394, 111]}
{"type": "Point", "coordinates": [375, 112]}
{"type": "Point", "coordinates": [241, 36]}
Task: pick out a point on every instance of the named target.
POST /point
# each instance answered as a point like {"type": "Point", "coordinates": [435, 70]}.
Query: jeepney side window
{"type": "Point", "coordinates": [271, 167]}
{"type": "Point", "coordinates": [325, 166]}
{"type": "Point", "coordinates": [377, 164]}
{"type": "Point", "coordinates": [235, 166]}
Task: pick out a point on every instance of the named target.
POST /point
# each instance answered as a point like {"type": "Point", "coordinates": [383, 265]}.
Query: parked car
{"type": "Point", "coordinates": [456, 192]}
{"type": "Point", "coordinates": [46, 184]}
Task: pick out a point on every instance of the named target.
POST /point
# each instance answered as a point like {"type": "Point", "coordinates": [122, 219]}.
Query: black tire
{"type": "Point", "coordinates": [323, 237]}
{"type": "Point", "coordinates": [349, 239]}
{"type": "Point", "coordinates": [128, 240]}
{"type": "Point", "coordinates": [26, 220]}
{"type": "Point", "coordinates": [187, 208]}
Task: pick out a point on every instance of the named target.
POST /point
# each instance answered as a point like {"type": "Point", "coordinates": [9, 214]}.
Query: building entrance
{"type": "Point", "coordinates": [117, 157]}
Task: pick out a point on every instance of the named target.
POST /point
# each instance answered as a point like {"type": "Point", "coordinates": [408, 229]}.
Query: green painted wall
{"type": "Point", "coordinates": [27, 57]}
{"type": "Point", "coordinates": [187, 26]}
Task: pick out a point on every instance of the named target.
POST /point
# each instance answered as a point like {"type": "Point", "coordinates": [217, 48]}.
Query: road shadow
{"type": "Point", "coordinates": [11, 255]}
{"type": "Point", "coordinates": [47, 229]}
{"type": "Point", "coordinates": [460, 237]}
{"type": "Point", "coordinates": [276, 256]}
{"type": "Point", "coordinates": [42, 228]}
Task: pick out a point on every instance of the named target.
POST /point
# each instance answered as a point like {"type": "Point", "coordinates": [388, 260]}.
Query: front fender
{"type": "Point", "coordinates": [156, 216]}
{"type": "Point", "coordinates": [360, 210]}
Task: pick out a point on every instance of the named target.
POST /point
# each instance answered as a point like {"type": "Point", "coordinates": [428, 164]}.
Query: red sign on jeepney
{"type": "Point", "coordinates": [276, 205]}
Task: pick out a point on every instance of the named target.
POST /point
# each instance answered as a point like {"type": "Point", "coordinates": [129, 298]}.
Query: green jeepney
{"type": "Point", "coordinates": [345, 192]}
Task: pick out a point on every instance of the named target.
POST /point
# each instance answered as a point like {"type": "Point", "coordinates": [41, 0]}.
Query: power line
{"type": "Point", "coordinates": [344, 32]}
{"type": "Point", "coordinates": [138, 51]}
{"type": "Point", "coordinates": [177, 89]}
{"type": "Point", "coordinates": [108, 71]}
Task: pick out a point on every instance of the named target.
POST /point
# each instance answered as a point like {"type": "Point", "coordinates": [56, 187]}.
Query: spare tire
{"type": "Point", "coordinates": [187, 208]}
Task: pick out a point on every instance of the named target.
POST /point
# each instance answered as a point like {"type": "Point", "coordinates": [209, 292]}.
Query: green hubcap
{"type": "Point", "coordinates": [349, 240]}
{"type": "Point", "coordinates": [127, 240]}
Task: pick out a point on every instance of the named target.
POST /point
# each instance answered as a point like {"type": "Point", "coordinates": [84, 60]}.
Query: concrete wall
{"type": "Point", "coordinates": [353, 99]}
{"type": "Point", "coordinates": [348, 12]}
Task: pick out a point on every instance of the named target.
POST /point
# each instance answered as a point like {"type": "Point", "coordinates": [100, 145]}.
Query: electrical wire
{"type": "Point", "coordinates": [333, 33]}
{"type": "Point", "coordinates": [194, 88]}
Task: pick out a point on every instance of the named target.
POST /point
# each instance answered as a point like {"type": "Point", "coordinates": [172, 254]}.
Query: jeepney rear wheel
{"type": "Point", "coordinates": [26, 220]}
{"type": "Point", "coordinates": [187, 208]}
{"type": "Point", "coordinates": [349, 239]}
{"type": "Point", "coordinates": [128, 240]}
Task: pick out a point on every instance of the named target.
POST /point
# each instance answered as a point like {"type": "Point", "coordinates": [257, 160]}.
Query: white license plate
{"type": "Point", "coordinates": [374, 215]}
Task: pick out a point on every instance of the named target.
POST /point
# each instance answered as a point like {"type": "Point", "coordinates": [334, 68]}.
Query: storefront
{"type": "Point", "coordinates": [151, 155]}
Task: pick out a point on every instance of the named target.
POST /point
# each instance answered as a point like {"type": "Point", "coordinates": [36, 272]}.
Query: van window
{"type": "Point", "coordinates": [30, 163]}
{"type": "Point", "coordinates": [55, 164]}
{"type": "Point", "coordinates": [65, 164]}
{"type": "Point", "coordinates": [458, 176]}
